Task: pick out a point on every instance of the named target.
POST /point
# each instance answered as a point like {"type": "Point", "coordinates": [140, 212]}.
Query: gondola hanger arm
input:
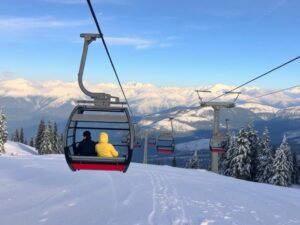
{"type": "Point", "coordinates": [100, 99]}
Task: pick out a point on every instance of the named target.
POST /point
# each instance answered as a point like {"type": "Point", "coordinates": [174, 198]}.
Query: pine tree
{"type": "Point", "coordinates": [39, 135]}
{"type": "Point", "coordinates": [231, 154]}
{"type": "Point", "coordinates": [295, 173]}
{"type": "Point", "coordinates": [3, 131]}
{"type": "Point", "coordinates": [21, 138]}
{"type": "Point", "coordinates": [16, 136]}
{"type": "Point", "coordinates": [31, 143]}
{"type": "Point", "coordinates": [46, 146]}
{"type": "Point", "coordinates": [61, 144]}
{"type": "Point", "coordinates": [265, 159]}
{"type": "Point", "coordinates": [254, 150]}
{"type": "Point", "coordinates": [56, 144]}
{"type": "Point", "coordinates": [241, 163]}
{"type": "Point", "coordinates": [280, 168]}
{"type": "Point", "coordinates": [287, 150]}
{"type": "Point", "coordinates": [194, 162]}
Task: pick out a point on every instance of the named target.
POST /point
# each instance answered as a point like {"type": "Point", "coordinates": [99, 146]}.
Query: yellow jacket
{"type": "Point", "coordinates": [105, 149]}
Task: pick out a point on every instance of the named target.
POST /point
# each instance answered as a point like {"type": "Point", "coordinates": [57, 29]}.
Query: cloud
{"type": "Point", "coordinates": [138, 43]}
{"type": "Point", "coordinates": [270, 10]}
{"type": "Point", "coordinates": [276, 6]}
{"type": "Point", "coordinates": [20, 25]}
{"type": "Point", "coordinates": [27, 23]}
{"type": "Point", "coordinates": [199, 27]}
{"type": "Point", "coordinates": [174, 38]}
{"type": "Point", "coordinates": [6, 75]}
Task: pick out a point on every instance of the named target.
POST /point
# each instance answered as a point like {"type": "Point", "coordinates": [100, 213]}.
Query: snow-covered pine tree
{"type": "Point", "coordinates": [287, 150]}
{"type": "Point", "coordinates": [61, 144]}
{"type": "Point", "coordinates": [56, 144]}
{"type": "Point", "coordinates": [3, 131]}
{"type": "Point", "coordinates": [254, 150]}
{"type": "Point", "coordinates": [39, 135]}
{"type": "Point", "coordinates": [46, 146]}
{"type": "Point", "coordinates": [229, 154]}
{"type": "Point", "coordinates": [241, 163]}
{"type": "Point", "coordinates": [265, 159]}
{"type": "Point", "coordinates": [21, 138]}
{"type": "Point", "coordinates": [194, 162]}
{"type": "Point", "coordinates": [280, 168]}
{"type": "Point", "coordinates": [295, 173]}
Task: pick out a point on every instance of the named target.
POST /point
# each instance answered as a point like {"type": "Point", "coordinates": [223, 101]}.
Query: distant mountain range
{"type": "Point", "coordinates": [26, 102]}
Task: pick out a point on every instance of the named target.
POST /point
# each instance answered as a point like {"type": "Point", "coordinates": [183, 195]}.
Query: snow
{"type": "Point", "coordinates": [42, 190]}
{"type": "Point", "coordinates": [145, 98]}
{"type": "Point", "coordinates": [289, 112]}
{"type": "Point", "coordinates": [18, 149]}
{"type": "Point", "coordinates": [258, 108]}
{"type": "Point", "coordinates": [193, 145]}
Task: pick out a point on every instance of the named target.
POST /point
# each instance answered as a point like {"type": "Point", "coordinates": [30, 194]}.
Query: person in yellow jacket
{"type": "Point", "coordinates": [104, 148]}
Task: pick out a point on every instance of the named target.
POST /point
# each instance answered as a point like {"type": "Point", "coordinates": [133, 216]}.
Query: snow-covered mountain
{"type": "Point", "coordinates": [25, 102]}
{"type": "Point", "coordinates": [42, 190]}
{"type": "Point", "coordinates": [289, 113]}
{"type": "Point", "coordinates": [145, 98]}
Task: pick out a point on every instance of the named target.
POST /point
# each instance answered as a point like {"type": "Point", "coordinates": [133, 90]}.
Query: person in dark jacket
{"type": "Point", "coordinates": [87, 146]}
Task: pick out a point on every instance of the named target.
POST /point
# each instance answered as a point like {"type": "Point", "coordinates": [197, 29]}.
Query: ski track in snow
{"type": "Point", "coordinates": [165, 201]}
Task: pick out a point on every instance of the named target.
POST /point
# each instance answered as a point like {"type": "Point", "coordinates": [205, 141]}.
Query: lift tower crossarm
{"type": "Point", "coordinates": [218, 104]}
{"type": "Point", "coordinates": [198, 91]}
{"type": "Point", "coordinates": [233, 92]}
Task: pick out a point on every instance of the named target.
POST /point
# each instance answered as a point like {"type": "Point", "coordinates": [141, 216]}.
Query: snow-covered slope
{"type": "Point", "coordinates": [42, 190]}
{"type": "Point", "coordinates": [18, 149]}
{"type": "Point", "coordinates": [265, 112]}
{"type": "Point", "coordinates": [193, 145]}
{"type": "Point", "coordinates": [290, 113]}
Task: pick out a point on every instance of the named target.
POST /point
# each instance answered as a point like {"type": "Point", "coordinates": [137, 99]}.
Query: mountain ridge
{"type": "Point", "coordinates": [26, 102]}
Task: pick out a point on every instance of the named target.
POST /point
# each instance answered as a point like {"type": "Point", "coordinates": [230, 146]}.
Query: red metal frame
{"type": "Point", "coordinates": [218, 150]}
{"type": "Point", "coordinates": [165, 151]}
{"type": "Point", "coordinates": [85, 166]}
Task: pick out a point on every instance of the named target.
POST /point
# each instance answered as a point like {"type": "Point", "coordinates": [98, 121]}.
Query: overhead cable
{"type": "Point", "coordinates": [273, 92]}
{"type": "Point", "coordinates": [258, 77]}
{"type": "Point", "coordinates": [107, 52]}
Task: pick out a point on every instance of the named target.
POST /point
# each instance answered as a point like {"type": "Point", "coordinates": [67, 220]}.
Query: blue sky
{"type": "Point", "coordinates": [182, 43]}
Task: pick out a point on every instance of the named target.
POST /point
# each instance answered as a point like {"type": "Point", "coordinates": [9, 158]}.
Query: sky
{"type": "Point", "coordinates": [167, 43]}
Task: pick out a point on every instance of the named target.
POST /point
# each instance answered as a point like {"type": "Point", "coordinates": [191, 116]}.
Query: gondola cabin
{"type": "Point", "coordinates": [165, 143]}
{"type": "Point", "coordinates": [115, 121]}
{"type": "Point", "coordinates": [152, 140]}
{"type": "Point", "coordinates": [218, 144]}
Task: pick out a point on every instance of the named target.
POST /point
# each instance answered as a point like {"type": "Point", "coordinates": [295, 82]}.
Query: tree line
{"type": "Point", "coordinates": [3, 131]}
{"type": "Point", "coordinates": [47, 139]}
{"type": "Point", "coordinates": [250, 157]}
